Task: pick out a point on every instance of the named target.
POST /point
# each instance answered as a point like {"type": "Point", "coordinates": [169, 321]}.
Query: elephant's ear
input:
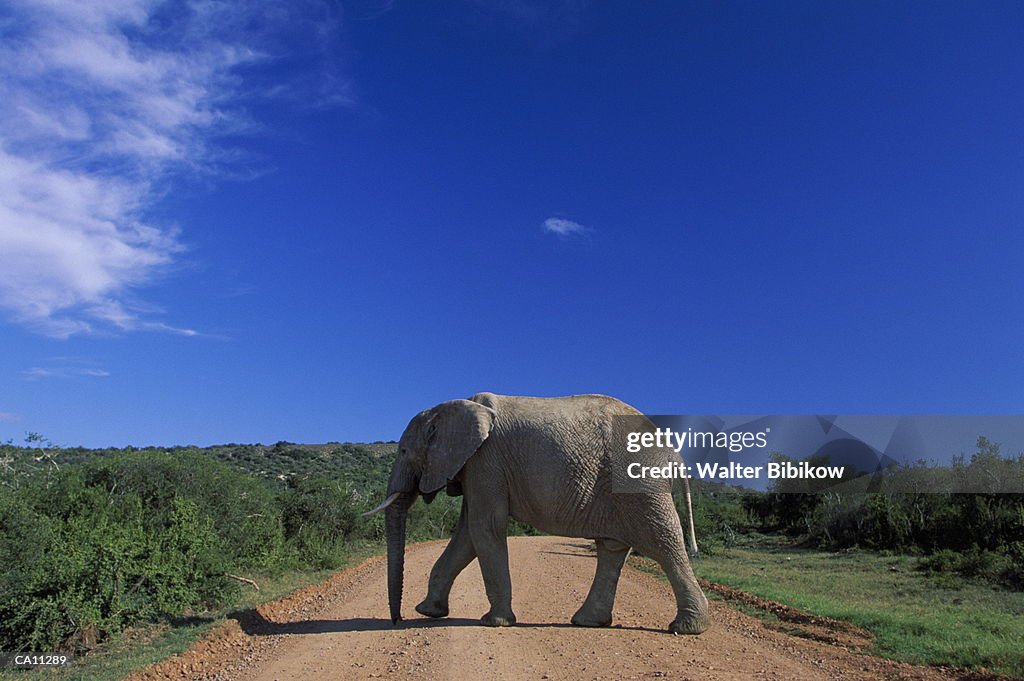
{"type": "Point", "coordinates": [456, 430]}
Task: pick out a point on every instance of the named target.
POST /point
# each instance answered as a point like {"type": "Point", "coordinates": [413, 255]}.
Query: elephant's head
{"type": "Point", "coordinates": [433, 449]}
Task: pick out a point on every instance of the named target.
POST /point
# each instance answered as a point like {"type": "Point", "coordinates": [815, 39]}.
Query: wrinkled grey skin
{"type": "Point", "coordinates": [539, 461]}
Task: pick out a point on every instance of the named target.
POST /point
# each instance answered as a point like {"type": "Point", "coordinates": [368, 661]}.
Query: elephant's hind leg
{"type": "Point", "coordinates": [597, 609]}
{"type": "Point", "coordinates": [691, 604]}
{"type": "Point", "coordinates": [456, 556]}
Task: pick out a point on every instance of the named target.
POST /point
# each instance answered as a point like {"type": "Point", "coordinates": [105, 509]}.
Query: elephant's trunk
{"type": "Point", "coordinates": [394, 517]}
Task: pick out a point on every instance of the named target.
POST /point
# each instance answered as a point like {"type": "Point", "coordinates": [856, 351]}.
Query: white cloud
{"type": "Point", "coordinates": [563, 227]}
{"type": "Point", "coordinates": [102, 105]}
{"type": "Point", "coordinates": [8, 417]}
{"type": "Point", "coordinates": [36, 373]}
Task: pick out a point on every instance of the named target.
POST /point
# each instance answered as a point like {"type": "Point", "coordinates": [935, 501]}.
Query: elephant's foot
{"type": "Point", "coordinates": [431, 608]}
{"type": "Point", "coordinates": [499, 620]}
{"type": "Point", "coordinates": [690, 625]}
{"type": "Point", "coordinates": [586, 618]}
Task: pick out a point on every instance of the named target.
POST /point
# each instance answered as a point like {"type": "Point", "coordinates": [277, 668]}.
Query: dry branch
{"type": "Point", "coordinates": [243, 579]}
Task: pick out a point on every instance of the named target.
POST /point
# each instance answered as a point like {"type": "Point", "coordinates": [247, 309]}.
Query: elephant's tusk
{"type": "Point", "coordinates": [385, 504]}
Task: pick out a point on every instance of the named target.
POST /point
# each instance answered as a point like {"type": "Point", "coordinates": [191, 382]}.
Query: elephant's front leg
{"type": "Point", "coordinates": [457, 555]}
{"type": "Point", "coordinates": [597, 609]}
{"type": "Point", "coordinates": [488, 527]}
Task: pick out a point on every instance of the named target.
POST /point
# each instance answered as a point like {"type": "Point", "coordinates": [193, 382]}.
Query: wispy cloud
{"type": "Point", "coordinates": [563, 227]}
{"type": "Point", "coordinates": [8, 417]}
{"type": "Point", "coordinates": [104, 104]}
{"type": "Point", "coordinates": [36, 373]}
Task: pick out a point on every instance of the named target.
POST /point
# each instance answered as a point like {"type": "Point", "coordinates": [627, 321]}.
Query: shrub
{"type": "Point", "coordinates": [241, 508]}
{"type": "Point", "coordinates": [718, 516]}
{"type": "Point", "coordinates": [70, 580]}
{"type": "Point", "coordinates": [319, 515]}
{"type": "Point", "coordinates": [124, 538]}
{"type": "Point", "coordinates": [435, 520]}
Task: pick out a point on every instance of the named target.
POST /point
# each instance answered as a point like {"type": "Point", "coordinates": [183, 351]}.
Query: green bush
{"type": "Point", "coordinates": [435, 520]}
{"type": "Point", "coordinates": [241, 508]}
{"type": "Point", "coordinates": [975, 534]}
{"type": "Point", "coordinates": [319, 515]}
{"type": "Point", "coordinates": [991, 566]}
{"type": "Point", "coordinates": [943, 561]}
{"type": "Point", "coordinates": [70, 580]}
{"type": "Point", "coordinates": [719, 517]}
{"type": "Point", "coordinates": [124, 538]}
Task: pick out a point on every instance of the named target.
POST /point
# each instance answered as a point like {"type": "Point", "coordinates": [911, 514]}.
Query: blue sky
{"type": "Point", "coordinates": [306, 221]}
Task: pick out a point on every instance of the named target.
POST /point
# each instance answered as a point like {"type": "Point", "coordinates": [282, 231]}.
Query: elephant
{"type": "Point", "coordinates": [545, 462]}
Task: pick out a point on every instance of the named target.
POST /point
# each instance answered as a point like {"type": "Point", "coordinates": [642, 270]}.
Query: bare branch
{"type": "Point", "coordinates": [243, 579]}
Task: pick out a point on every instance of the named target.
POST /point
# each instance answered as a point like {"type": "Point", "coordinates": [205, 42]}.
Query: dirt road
{"type": "Point", "coordinates": [340, 630]}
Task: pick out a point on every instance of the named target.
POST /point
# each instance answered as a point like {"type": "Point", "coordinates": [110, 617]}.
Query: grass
{"type": "Point", "coordinates": [913, 617]}
{"type": "Point", "coordinates": [140, 646]}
